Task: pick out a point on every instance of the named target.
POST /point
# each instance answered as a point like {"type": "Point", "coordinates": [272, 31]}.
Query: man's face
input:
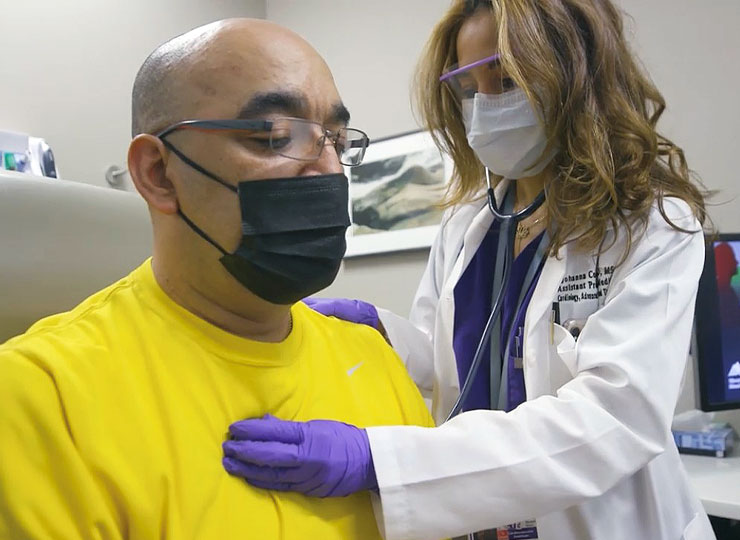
{"type": "Point", "coordinates": [249, 75]}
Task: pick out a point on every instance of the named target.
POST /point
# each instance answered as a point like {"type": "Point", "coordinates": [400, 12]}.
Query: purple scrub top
{"type": "Point", "coordinates": [473, 301]}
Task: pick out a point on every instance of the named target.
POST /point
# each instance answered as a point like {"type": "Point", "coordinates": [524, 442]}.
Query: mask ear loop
{"type": "Point", "coordinates": [200, 232]}
{"type": "Point", "coordinates": [195, 166]}
{"type": "Point", "coordinates": [210, 175]}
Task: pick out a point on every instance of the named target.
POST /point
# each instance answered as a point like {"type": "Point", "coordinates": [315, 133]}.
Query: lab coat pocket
{"type": "Point", "coordinates": [563, 362]}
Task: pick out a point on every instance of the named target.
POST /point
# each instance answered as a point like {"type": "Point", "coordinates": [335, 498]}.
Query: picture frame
{"type": "Point", "coordinates": [394, 194]}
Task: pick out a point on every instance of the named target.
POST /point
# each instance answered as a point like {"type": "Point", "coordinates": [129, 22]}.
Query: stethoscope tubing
{"type": "Point", "coordinates": [516, 216]}
{"type": "Point", "coordinates": [478, 356]}
{"type": "Point", "coordinates": [512, 219]}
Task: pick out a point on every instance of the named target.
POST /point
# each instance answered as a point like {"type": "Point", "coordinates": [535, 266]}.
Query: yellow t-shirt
{"type": "Point", "coordinates": [112, 418]}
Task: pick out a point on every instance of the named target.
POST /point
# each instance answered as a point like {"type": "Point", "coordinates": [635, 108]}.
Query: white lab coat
{"type": "Point", "coordinates": [590, 453]}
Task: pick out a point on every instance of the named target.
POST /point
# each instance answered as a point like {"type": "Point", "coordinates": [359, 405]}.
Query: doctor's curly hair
{"type": "Point", "coordinates": [601, 113]}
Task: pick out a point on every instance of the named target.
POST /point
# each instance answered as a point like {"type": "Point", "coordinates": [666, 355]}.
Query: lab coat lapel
{"type": "Point", "coordinates": [446, 366]}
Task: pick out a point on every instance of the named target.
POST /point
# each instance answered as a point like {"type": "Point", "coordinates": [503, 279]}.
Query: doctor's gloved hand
{"type": "Point", "coordinates": [355, 311]}
{"type": "Point", "coordinates": [321, 458]}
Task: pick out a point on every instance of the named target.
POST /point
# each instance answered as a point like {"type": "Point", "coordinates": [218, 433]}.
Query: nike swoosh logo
{"type": "Point", "coordinates": [351, 370]}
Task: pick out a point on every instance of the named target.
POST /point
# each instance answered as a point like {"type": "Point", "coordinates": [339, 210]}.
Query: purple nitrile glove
{"type": "Point", "coordinates": [321, 458]}
{"type": "Point", "coordinates": [355, 311]}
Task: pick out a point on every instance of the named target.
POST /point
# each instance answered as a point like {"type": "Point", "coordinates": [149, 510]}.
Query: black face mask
{"type": "Point", "coordinates": [293, 233]}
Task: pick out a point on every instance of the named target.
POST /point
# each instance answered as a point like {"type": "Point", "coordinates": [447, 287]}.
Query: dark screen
{"type": "Point", "coordinates": [718, 325]}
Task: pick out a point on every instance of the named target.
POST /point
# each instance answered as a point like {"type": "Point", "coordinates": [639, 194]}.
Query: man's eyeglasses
{"type": "Point", "coordinates": [294, 138]}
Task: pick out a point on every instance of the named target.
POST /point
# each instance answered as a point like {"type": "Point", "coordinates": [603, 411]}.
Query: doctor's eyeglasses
{"type": "Point", "coordinates": [294, 138]}
{"type": "Point", "coordinates": [483, 76]}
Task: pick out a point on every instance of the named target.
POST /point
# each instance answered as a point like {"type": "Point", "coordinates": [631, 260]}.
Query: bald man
{"type": "Point", "coordinates": [113, 415]}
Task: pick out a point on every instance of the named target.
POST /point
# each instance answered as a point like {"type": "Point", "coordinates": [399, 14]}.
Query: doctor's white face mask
{"type": "Point", "coordinates": [504, 132]}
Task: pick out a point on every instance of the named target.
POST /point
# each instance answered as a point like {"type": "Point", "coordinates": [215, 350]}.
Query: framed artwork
{"type": "Point", "coordinates": [394, 194]}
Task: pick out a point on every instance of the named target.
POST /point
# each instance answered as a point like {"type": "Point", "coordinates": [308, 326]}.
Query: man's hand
{"type": "Point", "coordinates": [321, 458]}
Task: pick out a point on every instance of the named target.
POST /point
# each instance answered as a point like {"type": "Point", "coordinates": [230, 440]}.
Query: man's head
{"type": "Point", "coordinates": [232, 69]}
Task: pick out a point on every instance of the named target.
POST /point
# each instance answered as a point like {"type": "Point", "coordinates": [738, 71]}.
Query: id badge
{"type": "Point", "coordinates": [524, 530]}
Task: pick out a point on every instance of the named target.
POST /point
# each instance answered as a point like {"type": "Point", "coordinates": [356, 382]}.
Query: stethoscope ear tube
{"type": "Point", "coordinates": [516, 216]}
{"type": "Point", "coordinates": [508, 219]}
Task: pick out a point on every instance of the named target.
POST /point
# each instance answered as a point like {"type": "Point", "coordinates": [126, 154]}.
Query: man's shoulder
{"type": "Point", "coordinates": [340, 331]}
{"type": "Point", "coordinates": [342, 341]}
{"type": "Point", "coordinates": [87, 329]}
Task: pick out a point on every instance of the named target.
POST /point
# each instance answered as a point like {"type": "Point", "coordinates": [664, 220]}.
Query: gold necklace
{"type": "Point", "coordinates": [522, 231]}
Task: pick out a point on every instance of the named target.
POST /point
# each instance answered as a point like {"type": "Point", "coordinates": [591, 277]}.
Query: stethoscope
{"type": "Point", "coordinates": [508, 222]}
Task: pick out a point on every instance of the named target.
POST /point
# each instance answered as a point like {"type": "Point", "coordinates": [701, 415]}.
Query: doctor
{"type": "Point", "coordinates": [565, 429]}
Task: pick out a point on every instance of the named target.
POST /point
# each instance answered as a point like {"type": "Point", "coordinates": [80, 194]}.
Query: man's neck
{"type": "Point", "coordinates": [263, 322]}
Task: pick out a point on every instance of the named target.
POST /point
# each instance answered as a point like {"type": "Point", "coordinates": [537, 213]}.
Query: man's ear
{"type": "Point", "coordinates": [147, 165]}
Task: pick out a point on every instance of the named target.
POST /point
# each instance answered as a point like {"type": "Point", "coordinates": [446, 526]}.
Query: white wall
{"type": "Point", "coordinates": [68, 69]}
{"type": "Point", "coordinates": [692, 51]}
